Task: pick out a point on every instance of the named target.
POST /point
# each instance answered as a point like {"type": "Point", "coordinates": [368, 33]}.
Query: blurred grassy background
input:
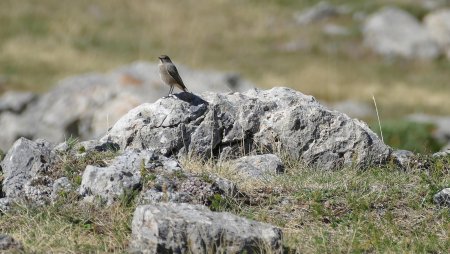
{"type": "Point", "coordinates": [44, 41]}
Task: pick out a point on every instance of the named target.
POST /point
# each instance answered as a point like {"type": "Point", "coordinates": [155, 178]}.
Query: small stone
{"type": "Point", "coordinates": [7, 243]}
{"type": "Point", "coordinates": [259, 166]}
{"type": "Point", "coordinates": [442, 198]}
{"type": "Point", "coordinates": [403, 158]}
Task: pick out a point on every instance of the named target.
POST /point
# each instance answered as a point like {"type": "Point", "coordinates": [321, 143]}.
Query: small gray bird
{"type": "Point", "coordinates": [169, 74]}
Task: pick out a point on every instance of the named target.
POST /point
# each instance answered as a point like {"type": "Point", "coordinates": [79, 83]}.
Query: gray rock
{"type": "Point", "coordinates": [184, 187]}
{"type": "Point", "coordinates": [25, 168]}
{"type": "Point", "coordinates": [5, 205]}
{"type": "Point", "coordinates": [80, 149]}
{"type": "Point", "coordinates": [441, 123]}
{"type": "Point", "coordinates": [442, 198]}
{"type": "Point", "coordinates": [322, 10]}
{"type": "Point", "coordinates": [226, 187]}
{"type": "Point", "coordinates": [152, 196]}
{"type": "Point", "coordinates": [403, 158]}
{"type": "Point", "coordinates": [228, 125]}
{"type": "Point", "coordinates": [7, 243]}
{"type": "Point", "coordinates": [16, 102]}
{"type": "Point", "coordinates": [259, 166]}
{"type": "Point", "coordinates": [438, 25]}
{"type": "Point", "coordinates": [183, 228]}
{"type": "Point", "coordinates": [393, 32]}
{"type": "Point", "coordinates": [445, 151]}
{"type": "Point", "coordinates": [108, 183]}
{"type": "Point", "coordinates": [124, 175]}
{"type": "Point", "coordinates": [120, 178]}
{"type": "Point", "coordinates": [60, 185]}
{"type": "Point", "coordinates": [86, 106]}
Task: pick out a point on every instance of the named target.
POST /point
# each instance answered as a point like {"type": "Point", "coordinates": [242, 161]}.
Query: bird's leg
{"type": "Point", "coordinates": [170, 91]}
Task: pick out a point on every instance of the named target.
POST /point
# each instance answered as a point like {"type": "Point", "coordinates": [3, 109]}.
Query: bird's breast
{"type": "Point", "coordinates": [165, 76]}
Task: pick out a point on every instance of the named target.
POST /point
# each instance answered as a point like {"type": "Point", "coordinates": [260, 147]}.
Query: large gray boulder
{"type": "Point", "coordinates": [184, 228]}
{"type": "Point", "coordinates": [87, 105]}
{"type": "Point", "coordinates": [230, 125]}
{"type": "Point", "coordinates": [393, 32]}
{"type": "Point", "coordinates": [438, 25]}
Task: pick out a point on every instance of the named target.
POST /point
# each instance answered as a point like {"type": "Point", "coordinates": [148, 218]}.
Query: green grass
{"type": "Point", "coordinates": [375, 210]}
{"type": "Point", "coordinates": [411, 136]}
{"type": "Point", "coordinates": [382, 209]}
{"type": "Point", "coordinates": [68, 227]}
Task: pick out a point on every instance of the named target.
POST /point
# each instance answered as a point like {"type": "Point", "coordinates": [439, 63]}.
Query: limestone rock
{"type": "Point", "coordinates": [442, 198]}
{"type": "Point", "coordinates": [259, 166]}
{"type": "Point", "coordinates": [60, 185]}
{"type": "Point", "coordinates": [184, 228]}
{"type": "Point", "coordinates": [393, 32]}
{"type": "Point", "coordinates": [228, 125]}
{"type": "Point", "coordinates": [9, 244]}
{"type": "Point", "coordinates": [5, 205]}
{"type": "Point", "coordinates": [184, 187]}
{"type": "Point", "coordinates": [26, 167]}
{"type": "Point", "coordinates": [403, 158]}
{"type": "Point", "coordinates": [123, 175]}
{"type": "Point", "coordinates": [445, 151]}
{"type": "Point", "coordinates": [438, 25]}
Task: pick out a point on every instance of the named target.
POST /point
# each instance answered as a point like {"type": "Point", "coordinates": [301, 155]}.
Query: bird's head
{"type": "Point", "coordinates": [164, 59]}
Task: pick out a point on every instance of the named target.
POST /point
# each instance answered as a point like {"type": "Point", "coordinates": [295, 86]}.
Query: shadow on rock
{"type": "Point", "coordinates": [190, 98]}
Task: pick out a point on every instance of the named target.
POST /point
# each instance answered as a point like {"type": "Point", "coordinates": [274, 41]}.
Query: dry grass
{"type": "Point", "coordinates": [70, 228]}
{"type": "Point", "coordinates": [346, 211]}
{"type": "Point", "coordinates": [46, 41]}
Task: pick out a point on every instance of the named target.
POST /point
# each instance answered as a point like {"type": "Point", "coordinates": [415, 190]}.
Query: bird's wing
{"type": "Point", "coordinates": [173, 72]}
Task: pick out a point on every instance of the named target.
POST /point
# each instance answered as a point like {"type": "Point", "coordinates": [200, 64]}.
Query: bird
{"type": "Point", "coordinates": [169, 74]}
